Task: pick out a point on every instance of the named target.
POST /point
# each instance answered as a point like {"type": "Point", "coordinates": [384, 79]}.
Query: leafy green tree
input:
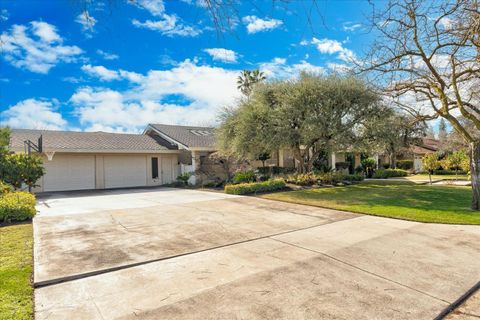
{"type": "Point", "coordinates": [430, 163]}
{"type": "Point", "coordinates": [389, 132]}
{"type": "Point", "coordinates": [18, 169]}
{"type": "Point", "coordinates": [455, 161]}
{"type": "Point", "coordinates": [247, 80]}
{"type": "Point", "coordinates": [308, 116]}
{"type": "Point", "coordinates": [368, 166]}
{"type": "Point", "coordinates": [264, 156]}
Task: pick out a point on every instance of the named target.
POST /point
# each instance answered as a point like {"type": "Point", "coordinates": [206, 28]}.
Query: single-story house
{"type": "Point", "coordinates": [417, 151]}
{"type": "Point", "coordinates": [98, 160]}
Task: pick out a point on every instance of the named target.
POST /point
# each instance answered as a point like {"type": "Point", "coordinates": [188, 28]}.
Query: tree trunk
{"type": "Point", "coordinates": [475, 174]}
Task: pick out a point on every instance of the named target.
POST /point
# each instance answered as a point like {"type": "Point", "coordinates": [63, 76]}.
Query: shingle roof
{"type": "Point", "coordinates": [84, 141]}
{"type": "Point", "coordinates": [191, 137]}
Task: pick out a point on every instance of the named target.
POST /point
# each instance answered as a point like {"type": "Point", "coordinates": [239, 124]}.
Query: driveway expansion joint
{"type": "Point", "coordinates": [363, 270]}
{"type": "Point", "coordinates": [51, 282]}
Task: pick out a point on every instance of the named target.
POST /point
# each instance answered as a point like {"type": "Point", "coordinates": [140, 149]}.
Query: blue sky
{"type": "Point", "coordinates": [118, 65]}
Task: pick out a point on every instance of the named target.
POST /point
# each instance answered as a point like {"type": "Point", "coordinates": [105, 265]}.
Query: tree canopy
{"type": "Point", "coordinates": [307, 115]}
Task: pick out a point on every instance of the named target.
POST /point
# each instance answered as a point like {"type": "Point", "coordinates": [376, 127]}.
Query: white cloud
{"type": "Point", "coordinates": [256, 24]}
{"type": "Point", "coordinates": [222, 54]}
{"type": "Point", "coordinates": [203, 89]}
{"type": "Point", "coordinates": [351, 27]}
{"type": "Point", "coordinates": [87, 21]}
{"type": "Point", "coordinates": [339, 67]}
{"type": "Point", "coordinates": [101, 72]}
{"type": "Point", "coordinates": [33, 114]}
{"type": "Point", "coordinates": [37, 47]}
{"type": "Point", "coordinates": [167, 24]}
{"type": "Point", "coordinates": [155, 7]}
{"type": "Point", "coordinates": [330, 46]}
{"type": "Point", "coordinates": [106, 55]}
{"type": "Point", "coordinates": [278, 68]}
{"type": "Point", "coordinates": [4, 15]}
{"type": "Point", "coordinates": [446, 23]}
{"type": "Point", "coordinates": [105, 74]}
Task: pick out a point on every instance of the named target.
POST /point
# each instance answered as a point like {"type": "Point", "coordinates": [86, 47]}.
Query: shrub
{"type": "Point", "coordinates": [405, 164]}
{"type": "Point", "coordinates": [243, 177]}
{"type": "Point", "coordinates": [386, 165]}
{"type": "Point", "coordinates": [5, 188]}
{"type": "Point", "coordinates": [302, 179]}
{"type": "Point", "coordinates": [255, 187]}
{"type": "Point", "coordinates": [17, 206]}
{"type": "Point", "coordinates": [183, 178]}
{"type": "Point", "coordinates": [263, 170]}
{"type": "Point", "coordinates": [448, 172]}
{"type": "Point", "coordinates": [389, 173]}
{"type": "Point", "coordinates": [353, 177]}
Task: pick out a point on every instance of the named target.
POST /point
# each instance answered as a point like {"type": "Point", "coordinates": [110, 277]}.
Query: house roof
{"type": "Point", "coordinates": [188, 136]}
{"type": "Point", "coordinates": [74, 141]}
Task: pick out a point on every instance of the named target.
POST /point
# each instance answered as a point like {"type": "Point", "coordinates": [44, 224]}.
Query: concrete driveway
{"type": "Point", "coordinates": [183, 254]}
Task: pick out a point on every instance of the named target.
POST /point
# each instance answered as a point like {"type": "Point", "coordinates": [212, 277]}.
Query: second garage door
{"type": "Point", "coordinates": [125, 171]}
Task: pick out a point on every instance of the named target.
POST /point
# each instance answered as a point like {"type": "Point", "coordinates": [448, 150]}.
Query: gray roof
{"type": "Point", "coordinates": [191, 137]}
{"type": "Point", "coordinates": [84, 141]}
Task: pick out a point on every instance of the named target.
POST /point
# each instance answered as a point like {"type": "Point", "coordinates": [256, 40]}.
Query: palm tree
{"type": "Point", "coordinates": [247, 79]}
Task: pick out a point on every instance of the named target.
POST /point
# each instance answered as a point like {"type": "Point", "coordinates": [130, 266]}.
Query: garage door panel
{"type": "Point", "coordinates": [69, 172]}
{"type": "Point", "coordinates": [125, 171]}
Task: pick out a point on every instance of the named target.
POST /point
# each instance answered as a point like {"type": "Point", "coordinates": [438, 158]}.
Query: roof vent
{"type": "Point", "coordinates": [201, 132]}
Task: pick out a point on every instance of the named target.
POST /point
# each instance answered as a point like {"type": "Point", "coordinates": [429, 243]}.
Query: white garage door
{"type": "Point", "coordinates": [125, 171]}
{"type": "Point", "coordinates": [69, 172]}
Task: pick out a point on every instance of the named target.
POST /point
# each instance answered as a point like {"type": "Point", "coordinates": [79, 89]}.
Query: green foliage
{"type": "Point", "coordinates": [302, 179]}
{"type": "Point", "coordinates": [255, 187]}
{"type": "Point", "coordinates": [17, 206]}
{"type": "Point", "coordinates": [244, 177]}
{"type": "Point", "coordinates": [389, 173]}
{"type": "Point", "coordinates": [305, 115]}
{"type": "Point", "coordinates": [16, 169]}
{"type": "Point", "coordinates": [368, 166]}
{"type": "Point", "coordinates": [5, 188]}
{"type": "Point", "coordinates": [247, 79]}
{"type": "Point", "coordinates": [405, 164]}
{"type": "Point", "coordinates": [4, 137]}
{"type": "Point", "coordinates": [430, 162]}
{"type": "Point", "coordinates": [183, 178]}
{"type": "Point", "coordinates": [455, 161]}
{"type": "Point", "coordinates": [353, 177]}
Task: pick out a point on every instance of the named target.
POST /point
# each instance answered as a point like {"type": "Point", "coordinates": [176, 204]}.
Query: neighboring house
{"type": "Point", "coordinates": [418, 151]}
{"type": "Point", "coordinates": [98, 160]}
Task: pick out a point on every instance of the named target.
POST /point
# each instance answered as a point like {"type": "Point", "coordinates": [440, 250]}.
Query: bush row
{"type": "Point", "coordinates": [308, 179]}
{"type": "Point", "coordinates": [389, 173]}
{"type": "Point", "coordinates": [446, 172]}
{"type": "Point", "coordinates": [405, 164]}
{"type": "Point", "coordinates": [255, 187]}
{"type": "Point", "coordinates": [16, 206]}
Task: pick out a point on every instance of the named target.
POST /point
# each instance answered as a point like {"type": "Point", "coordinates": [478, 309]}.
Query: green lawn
{"type": "Point", "coordinates": [418, 177]}
{"type": "Point", "coordinates": [16, 264]}
{"type": "Point", "coordinates": [403, 200]}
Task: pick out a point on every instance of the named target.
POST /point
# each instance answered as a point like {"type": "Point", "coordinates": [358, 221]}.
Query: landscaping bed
{"type": "Point", "coordinates": [16, 265]}
{"type": "Point", "coordinates": [402, 200]}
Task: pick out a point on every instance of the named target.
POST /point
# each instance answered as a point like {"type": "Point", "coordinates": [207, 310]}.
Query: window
{"type": "Point", "coordinates": [154, 168]}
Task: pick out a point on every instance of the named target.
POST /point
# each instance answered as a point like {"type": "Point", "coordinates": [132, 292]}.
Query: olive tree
{"type": "Point", "coordinates": [430, 163]}
{"type": "Point", "coordinates": [307, 115]}
{"type": "Point", "coordinates": [427, 56]}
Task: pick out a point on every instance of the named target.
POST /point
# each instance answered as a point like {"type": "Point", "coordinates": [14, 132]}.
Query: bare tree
{"type": "Point", "coordinates": [427, 56]}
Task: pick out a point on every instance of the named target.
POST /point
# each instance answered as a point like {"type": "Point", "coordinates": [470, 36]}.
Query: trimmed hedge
{"type": "Point", "coordinates": [389, 173]}
{"type": "Point", "coordinates": [405, 164]}
{"type": "Point", "coordinates": [17, 206]}
{"type": "Point", "coordinates": [243, 177]}
{"type": "Point", "coordinates": [255, 187]}
{"type": "Point", "coordinates": [448, 172]}
{"type": "Point", "coordinates": [354, 177]}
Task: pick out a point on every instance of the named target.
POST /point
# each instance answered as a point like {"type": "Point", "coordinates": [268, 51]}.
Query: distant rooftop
{"type": "Point", "coordinates": [189, 136]}
{"type": "Point", "coordinates": [84, 141]}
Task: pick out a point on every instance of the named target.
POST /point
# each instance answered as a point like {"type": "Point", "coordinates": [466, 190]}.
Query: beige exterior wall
{"type": "Point", "coordinates": [99, 168]}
